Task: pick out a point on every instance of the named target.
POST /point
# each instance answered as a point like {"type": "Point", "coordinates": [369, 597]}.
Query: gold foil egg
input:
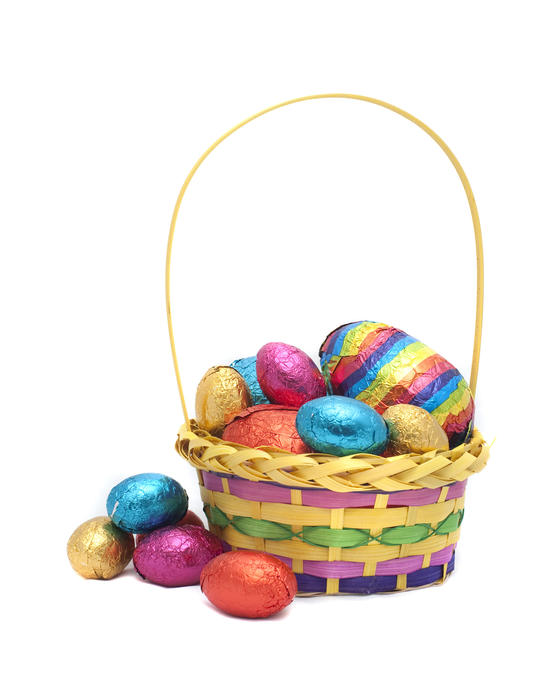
{"type": "Point", "coordinates": [220, 396]}
{"type": "Point", "coordinates": [413, 429]}
{"type": "Point", "coordinates": [99, 549]}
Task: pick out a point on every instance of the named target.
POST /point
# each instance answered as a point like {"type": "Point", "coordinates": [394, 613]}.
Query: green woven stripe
{"type": "Point", "coordinates": [325, 537]}
{"type": "Point", "coordinates": [262, 528]}
{"type": "Point", "coordinates": [404, 534]}
{"type": "Point", "coordinates": [328, 537]}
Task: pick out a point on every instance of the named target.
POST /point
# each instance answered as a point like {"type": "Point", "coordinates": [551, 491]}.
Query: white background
{"type": "Point", "coordinates": [316, 215]}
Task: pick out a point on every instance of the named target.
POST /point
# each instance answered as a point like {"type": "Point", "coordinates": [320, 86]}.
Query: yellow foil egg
{"type": "Point", "coordinates": [413, 429]}
{"type": "Point", "coordinates": [220, 396]}
{"type": "Point", "coordinates": [99, 549]}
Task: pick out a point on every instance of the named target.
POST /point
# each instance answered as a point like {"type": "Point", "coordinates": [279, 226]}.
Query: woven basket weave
{"type": "Point", "coordinates": [356, 524]}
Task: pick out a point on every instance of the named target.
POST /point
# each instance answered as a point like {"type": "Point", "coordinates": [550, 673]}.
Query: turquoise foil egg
{"type": "Point", "coordinates": [145, 502]}
{"type": "Point", "coordinates": [340, 426]}
{"type": "Point", "coordinates": [247, 368]}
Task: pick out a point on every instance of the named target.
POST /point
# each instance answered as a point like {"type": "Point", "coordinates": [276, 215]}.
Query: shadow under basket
{"type": "Point", "coordinates": [358, 524]}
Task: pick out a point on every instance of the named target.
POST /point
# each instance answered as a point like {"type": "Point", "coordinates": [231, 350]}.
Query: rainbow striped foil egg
{"type": "Point", "coordinates": [383, 366]}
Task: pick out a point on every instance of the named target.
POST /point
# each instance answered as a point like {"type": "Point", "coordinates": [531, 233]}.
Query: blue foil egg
{"type": "Point", "coordinates": [340, 426]}
{"type": "Point", "coordinates": [247, 368]}
{"type": "Point", "coordinates": [145, 502]}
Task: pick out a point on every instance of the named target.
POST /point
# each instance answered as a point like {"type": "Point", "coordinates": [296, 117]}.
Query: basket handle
{"type": "Point", "coordinates": [445, 148]}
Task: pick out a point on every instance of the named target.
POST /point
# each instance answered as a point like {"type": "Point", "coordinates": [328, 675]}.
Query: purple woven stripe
{"type": "Point", "coordinates": [350, 569]}
{"type": "Point", "coordinates": [322, 498]}
{"type": "Point", "coordinates": [373, 584]}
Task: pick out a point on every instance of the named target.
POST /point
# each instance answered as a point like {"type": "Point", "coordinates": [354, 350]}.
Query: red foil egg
{"type": "Point", "coordinates": [266, 425]}
{"type": "Point", "coordinates": [248, 584]}
{"type": "Point", "coordinates": [288, 376]}
{"type": "Point", "coordinates": [189, 518]}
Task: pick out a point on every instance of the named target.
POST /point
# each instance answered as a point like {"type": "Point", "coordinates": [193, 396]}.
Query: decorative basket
{"type": "Point", "coordinates": [355, 524]}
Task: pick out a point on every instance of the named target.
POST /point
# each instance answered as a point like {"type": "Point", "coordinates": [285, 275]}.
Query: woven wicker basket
{"type": "Point", "coordinates": [355, 524]}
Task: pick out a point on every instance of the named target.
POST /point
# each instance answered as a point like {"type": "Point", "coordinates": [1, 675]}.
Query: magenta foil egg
{"type": "Point", "coordinates": [288, 376]}
{"type": "Point", "coordinates": [175, 555]}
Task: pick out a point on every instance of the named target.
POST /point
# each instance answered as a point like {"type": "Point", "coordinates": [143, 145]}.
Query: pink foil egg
{"type": "Point", "coordinates": [175, 555]}
{"type": "Point", "coordinates": [288, 376]}
{"type": "Point", "coordinates": [189, 518]}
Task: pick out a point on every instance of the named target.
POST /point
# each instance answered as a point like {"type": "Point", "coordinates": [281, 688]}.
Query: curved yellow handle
{"type": "Point", "coordinates": [445, 148]}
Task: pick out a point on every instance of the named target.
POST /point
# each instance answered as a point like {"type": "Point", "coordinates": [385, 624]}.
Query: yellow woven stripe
{"type": "Point", "coordinates": [338, 474]}
{"type": "Point", "coordinates": [359, 518]}
{"type": "Point", "coordinates": [297, 566]}
{"type": "Point", "coordinates": [296, 497]}
{"type": "Point", "coordinates": [413, 515]}
{"type": "Point", "coordinates": [426, 561]}
{"type": "Point", "coordinates": [443, 494]}
{"type": "Point", "coordinates": [332, 586]}
{"type": "Point", "coordinates": [369, 568]}
{"type": "Point", "coordinates": [225, 484]}
{"type": "Point", "coordinates": [374, 552]}
{"type": "Point", "coordinates": [337, 518]}
{"type": "Point", "coordinates": [401, 582]}
{"type": "Point", "coordinates": [381, 500]}
{"type": "Point", "coordinates": [336, 523]}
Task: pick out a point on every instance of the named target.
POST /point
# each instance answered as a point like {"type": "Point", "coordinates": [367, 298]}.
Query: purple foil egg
{"type": "Point", "coordinates": [288, 376]}
{"type": "Point", "coordinates": [175, 555]}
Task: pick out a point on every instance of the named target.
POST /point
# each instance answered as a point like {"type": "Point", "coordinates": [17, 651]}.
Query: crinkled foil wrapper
{"type": "Point", "coordinates": [288, 376]}
{"type": "Point", "coordinates": [384, 366]}
{"type": "Point", "coordinates": [99, 549]}
{"type": "Point", "coordinates": [144, 502]}
{"type": "Point", "coordinates": [248, 584]}
{"type": "Point", "coordinates": [412, 429]}
{"type": "Point", "coordinates": [221, 394]}
{"type": "Point", "coordinates": [341, 426]}
{"type": "Point", "coordinates": [267, 426]}
{"type": "Point", "coordinates": [247, 368]}
{"type": "Point", "coordinates": [175, 555]}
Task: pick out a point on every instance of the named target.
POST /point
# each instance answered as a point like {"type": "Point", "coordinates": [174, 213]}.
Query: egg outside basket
{"type": "Point", "coordinates": [356, 524]}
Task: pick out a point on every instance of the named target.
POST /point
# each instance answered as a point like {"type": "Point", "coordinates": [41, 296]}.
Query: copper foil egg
{"type": "Point", "coordinates": [267, 425]}
{"type": "Point", "coordinates": [288, 376]}
{"type": "Point", "coordinates": [413, 429]}
{"type": "Point", "coordinates": [248, 584]}
{"type": "Point", "coordinates": [221, 394]}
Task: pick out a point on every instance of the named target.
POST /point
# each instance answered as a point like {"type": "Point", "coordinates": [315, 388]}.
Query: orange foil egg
{"type": "Point", "coordinates": [266, 425]}
{"type": "Point", "coordinates": [248, 584]}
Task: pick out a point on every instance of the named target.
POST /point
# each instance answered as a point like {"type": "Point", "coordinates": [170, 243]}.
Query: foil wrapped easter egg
{"type": "Point", "coordinates": [175, 555]}
{"type": "Point", "coordinates": [413, 429]}
{"type": "Point", "coordinates": [99, 549]}
{"type": "Point", "coordinates": [145, 502]}
{"type": "Point", "coordinates": [266, 426]}
{"type": "Point", "coordinates": [221, 394]}
{"type": "Point", "coordinates": [247, 368]}
{"type": "Point", "coordinates": [248, 584]}
{"type": "Point", "coordinates": [287, 375]}
{"type": "Point", "coordinates": [383, 366]}
{"type": "Point", "coordinates": [341, 426]}
{"type": "Point", "coordinates": [189, 518]}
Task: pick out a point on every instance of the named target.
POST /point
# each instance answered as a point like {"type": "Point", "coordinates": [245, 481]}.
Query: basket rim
{"type": "Point", "coordinates": [359, 472]}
